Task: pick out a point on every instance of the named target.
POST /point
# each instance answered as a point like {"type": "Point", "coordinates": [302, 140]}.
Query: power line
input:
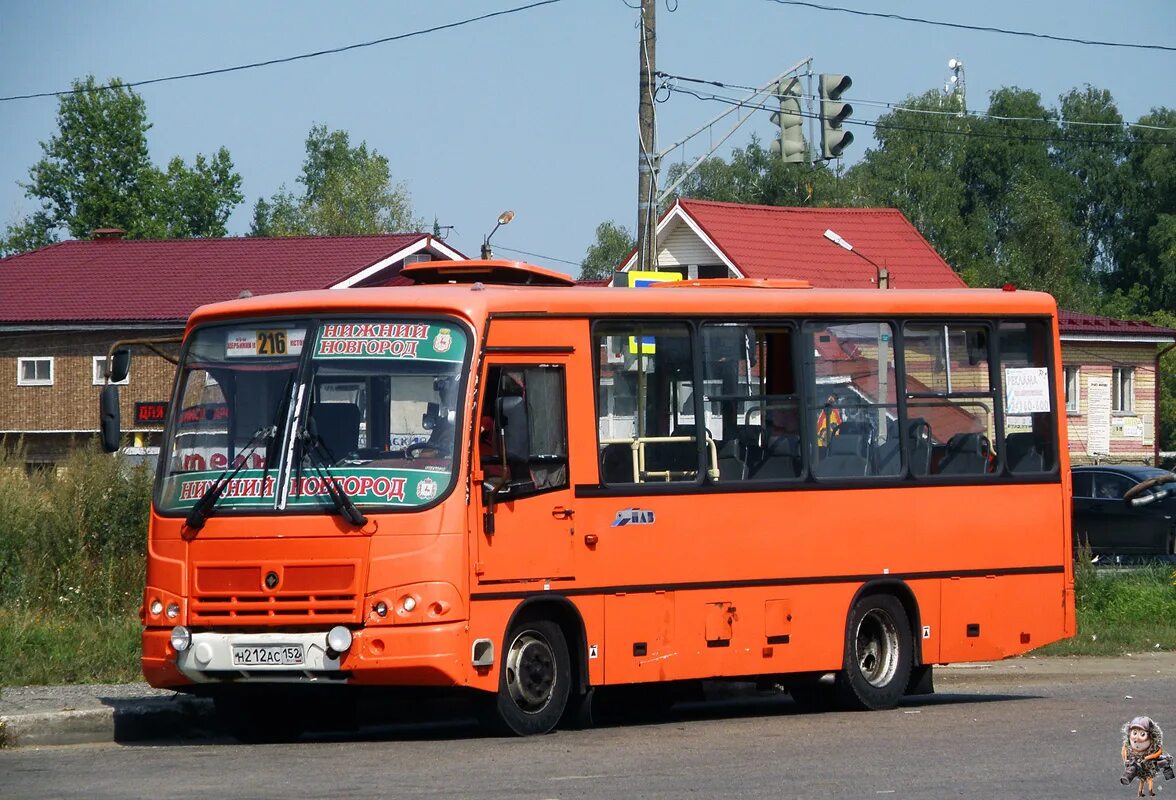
{"type": "Point", "coordinates": [981, 28]}
{"type": "Point", "coordinates": [538, 255]}
{"type": "Point", "coordinates": [288, 59]}
{"type": "Point", "coordinates": [931, 112]}
{"type": "Point", "coordinates": [959, 132]}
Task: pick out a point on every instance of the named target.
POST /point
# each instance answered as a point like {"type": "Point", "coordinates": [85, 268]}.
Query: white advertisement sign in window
{"type": "Point", "coordinates": [1026, 390]}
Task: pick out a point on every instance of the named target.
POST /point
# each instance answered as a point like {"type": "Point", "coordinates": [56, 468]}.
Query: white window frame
{"type": "Point", "coordinates": [99, 370]}
{"type": "Point", "coordinates": [20, 379]}
{"type": "Point", "coordinates": [1073, 390]}
{"type": "Point", "coordinates": [1123, 390]}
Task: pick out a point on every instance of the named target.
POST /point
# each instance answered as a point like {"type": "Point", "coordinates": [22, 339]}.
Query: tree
{"type": "Point", "coordinates": [755, 176]}
{"type": "Point", "coordinates": [605, 255]}
{"type": "Point", "coordinates": [1145, 254]}
{"type": "Point", "coordinates": [96, 172]}
{"type": "Point", "coordinates": [346, 190]}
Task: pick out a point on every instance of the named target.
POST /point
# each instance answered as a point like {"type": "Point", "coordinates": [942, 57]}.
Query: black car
{"type": "Point", "coordinates": [1123, 509]}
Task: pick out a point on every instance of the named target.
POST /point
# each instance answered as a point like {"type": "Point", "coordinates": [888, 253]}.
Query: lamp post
{"type": "Point", "coordinates": [883, 275]}
{"type": "Point", "coordinates": [504, 218]}
{"type": "Point", "coordinates": [883, 280]}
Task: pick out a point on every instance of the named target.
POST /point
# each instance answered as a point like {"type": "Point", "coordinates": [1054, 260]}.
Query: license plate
{"type": "Point", "coordinates": [267, 655]}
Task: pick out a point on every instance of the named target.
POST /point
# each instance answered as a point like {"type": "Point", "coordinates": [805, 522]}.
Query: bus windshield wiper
{"type": "Point", "coordinates": [204, 506]}
{"type": "Point", "coordinates": [313, 447]}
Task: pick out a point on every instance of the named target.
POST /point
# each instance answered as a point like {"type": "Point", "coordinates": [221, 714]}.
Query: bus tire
{"type": "Point", "coordinates": [534, 681]}
{"type": "Point", "coordinates": [878, 654]}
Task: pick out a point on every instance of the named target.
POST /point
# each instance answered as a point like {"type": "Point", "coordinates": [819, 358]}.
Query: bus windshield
{"type": "Point", "coordinates": [371, 407]}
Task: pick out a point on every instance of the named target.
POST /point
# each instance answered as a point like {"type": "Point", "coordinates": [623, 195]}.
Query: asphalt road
{"type": "Point", "coordinates": [1040, 728]}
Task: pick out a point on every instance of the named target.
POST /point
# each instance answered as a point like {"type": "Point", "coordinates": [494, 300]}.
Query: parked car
{"type": "Point", "coordinates": [1125, 509]}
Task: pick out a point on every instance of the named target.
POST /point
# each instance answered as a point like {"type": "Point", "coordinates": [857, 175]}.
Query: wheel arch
{"type": "Point", "coordinates": [563, 612]}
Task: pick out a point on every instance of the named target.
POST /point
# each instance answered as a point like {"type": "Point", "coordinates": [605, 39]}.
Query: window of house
{"type": "Point", "coordinates": [1123, 389]}
{"type": "Point", "coordinates": [34, 371]}
{"type": "Point", "coordinates": [100, 373]}
{"type": "Point", "coordinates": [1071, 390]}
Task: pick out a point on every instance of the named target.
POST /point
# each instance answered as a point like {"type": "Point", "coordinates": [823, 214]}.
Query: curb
{"type": "Point", "coordinates": [128, 721]}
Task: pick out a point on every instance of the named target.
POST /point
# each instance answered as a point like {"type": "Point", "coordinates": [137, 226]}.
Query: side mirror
{"type": "Point", "coordinates": [120, 365]}
{"type": "Point", "coordinates": [110, 418]}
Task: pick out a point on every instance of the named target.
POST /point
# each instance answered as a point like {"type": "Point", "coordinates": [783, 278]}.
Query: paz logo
{"type": "Point", "coordinates": [633, 516]}
{"type": "Point", "coordinates": [443, 340]}
{"type": "Point", "coordinates": [427, 489]}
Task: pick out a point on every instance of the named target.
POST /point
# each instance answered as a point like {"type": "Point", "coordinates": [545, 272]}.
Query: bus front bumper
{"type": "Point", "coordinates": [421, 655]}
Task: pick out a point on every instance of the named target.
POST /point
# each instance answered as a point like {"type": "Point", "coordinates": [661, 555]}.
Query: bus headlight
{"type": "Point", "coordinates": [181, 638]}
{"type": "Point", "coordinates": [156, 607]}
{"type": "Point", "coordinates": [408, 603]}
{"type": "Point", "coordinates": [339, 639]}
{"type": "Point", "coordinates": [173, 610]}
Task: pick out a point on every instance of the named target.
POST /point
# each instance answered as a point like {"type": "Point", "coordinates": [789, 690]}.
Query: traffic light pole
{"type": "Point", "coordinates": [751, 100]}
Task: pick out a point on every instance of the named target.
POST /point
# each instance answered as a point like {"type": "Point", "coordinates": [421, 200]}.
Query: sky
{"type": "Point", "coordinates": [534, 111]}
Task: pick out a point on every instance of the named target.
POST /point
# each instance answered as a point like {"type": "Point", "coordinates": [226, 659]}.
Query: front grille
{"type": "Point", "coordinates": [317, 593]}
{"type": "Point", "coordinates": [252, 608]}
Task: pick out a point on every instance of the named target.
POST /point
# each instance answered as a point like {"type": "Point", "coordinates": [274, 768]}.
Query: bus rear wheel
{"type": "Point", "coordinates": [534, 680]}
{"type": "Point", "coordinates": [878, 654]}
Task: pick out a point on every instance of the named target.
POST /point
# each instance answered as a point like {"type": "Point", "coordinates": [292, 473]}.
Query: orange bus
{"type": "Point", "coordinates": [495, 479]}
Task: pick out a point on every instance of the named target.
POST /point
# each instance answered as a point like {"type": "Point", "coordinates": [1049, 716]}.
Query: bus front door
{"type": "Point", "coordinates": [527, 519]}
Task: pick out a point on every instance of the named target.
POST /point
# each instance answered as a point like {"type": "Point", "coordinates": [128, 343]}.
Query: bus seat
{"type": "Point", "coordinates": [781, 459]}
{"type": "Point", "coordinates": [846, 458]}
{"type": "Point", "coordinates": [616, 463]}
{"type": "Point", "coordinates": [676, 457]}
{"type": "Point", "coordinates": [731, 466]}
{"type": "Point", "coordinates": [966, 454]}
{"type": "Point", "coordinates": [918, 445]}
{"type": "Point", "coordinates": [337, 426]}
{"type": "Point", "coordinates": [1024, 452]}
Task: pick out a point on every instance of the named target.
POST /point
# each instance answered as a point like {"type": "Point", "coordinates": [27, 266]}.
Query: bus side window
{"type": "Point", "coordinates": [1029, 404]}
{"type": "Point", "coordinates": [851, 413]}
{"type": "Point", "coordinates": [652, 422]}
{"type": "Point", "coordinates": [751, 401]}
{"type": "Point", "coordinates": [951, 398]}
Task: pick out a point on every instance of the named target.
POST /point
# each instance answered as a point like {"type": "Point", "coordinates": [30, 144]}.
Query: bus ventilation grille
{"type": "Point", "coordinates": [284, 609]}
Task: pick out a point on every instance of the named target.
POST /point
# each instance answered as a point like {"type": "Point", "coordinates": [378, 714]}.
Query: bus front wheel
{"type": "Point", "coordinates": [534, 680]}
{"type": "Point", "coordinates": [878, 654]}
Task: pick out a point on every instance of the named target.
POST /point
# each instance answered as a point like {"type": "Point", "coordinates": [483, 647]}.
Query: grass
{"type": "Point", "coordinates": [41, 649]}
{"type": "Point", "coordinates": [1120, 611]}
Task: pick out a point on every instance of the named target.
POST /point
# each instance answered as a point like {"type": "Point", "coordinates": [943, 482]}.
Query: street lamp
{"type": "Point", "coordinates": [503, 218]}
{"type": "Point", "coordinates": [883, 275]}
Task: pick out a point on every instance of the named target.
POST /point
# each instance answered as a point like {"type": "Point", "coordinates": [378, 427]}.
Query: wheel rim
{"type": "Point", "coordinates": [877, 648]}
{"type": "Point", "coordinates": [530, 671]}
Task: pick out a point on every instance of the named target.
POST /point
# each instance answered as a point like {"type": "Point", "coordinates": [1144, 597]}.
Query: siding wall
{"type": "Point", "coordinates": [682, 248]}
{"type": "Point", "coordinates": [1132, 434]}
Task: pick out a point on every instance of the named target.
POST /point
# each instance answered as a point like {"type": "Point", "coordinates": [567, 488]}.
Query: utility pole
{"type": "Point", "coordinates": [647, 150]}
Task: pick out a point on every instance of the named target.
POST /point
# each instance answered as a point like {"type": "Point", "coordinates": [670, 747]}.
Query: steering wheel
{"type": "Point", "coordinates": [415, 449]}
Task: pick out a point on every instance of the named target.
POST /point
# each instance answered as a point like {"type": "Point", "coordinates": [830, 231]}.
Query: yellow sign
{"type": "Point", "coordinates": [639, 279]}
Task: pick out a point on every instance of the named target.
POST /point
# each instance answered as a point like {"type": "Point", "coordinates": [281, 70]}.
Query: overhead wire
{"type": "Point", "coordinates": [893, 106]}
{"type": "Point", "coordinates": [979, 28]}
{"type": "Point", "coordinates": [957, 132]}
{"type": "Point", "coordinates": [287, 59]}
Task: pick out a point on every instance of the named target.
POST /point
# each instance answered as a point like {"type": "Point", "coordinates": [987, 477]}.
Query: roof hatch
{"type": "Point", "coordinates": [513, 273]}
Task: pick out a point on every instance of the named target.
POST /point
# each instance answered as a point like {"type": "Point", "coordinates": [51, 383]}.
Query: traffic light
{"type": "Point", "coordinates": [790, 146]}
{"type": "Point", "coordinates": [833, 114]}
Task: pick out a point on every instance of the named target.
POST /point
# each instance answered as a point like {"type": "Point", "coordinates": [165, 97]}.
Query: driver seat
{"type": "Point", "coordinates": [337, 425]}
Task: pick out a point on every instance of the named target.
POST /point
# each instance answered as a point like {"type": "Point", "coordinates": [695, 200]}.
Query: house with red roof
{"type": "Point", "coordinates": [62, 306]}
{"type": "Point", "coordinates": [1111, 366]}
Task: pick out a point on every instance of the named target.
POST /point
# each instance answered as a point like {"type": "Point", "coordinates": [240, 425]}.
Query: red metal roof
{"type": "Point", "coordinates": [783, 242]}
{"type": "Point", "coordinates": [117, 280]}
{"type": "Point", "coordinates": [1074, 322]}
